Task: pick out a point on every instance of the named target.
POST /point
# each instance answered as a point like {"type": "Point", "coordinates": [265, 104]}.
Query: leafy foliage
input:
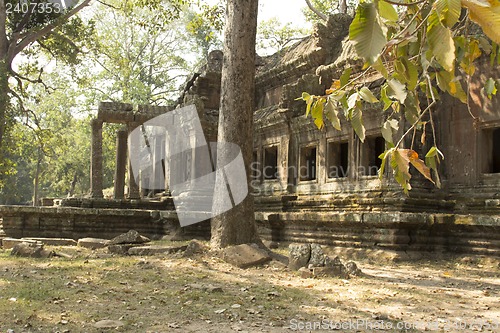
{"type": "Point", "coordinates": [418, 49]}
{"type": "Point", "coordinates": [273, 36]}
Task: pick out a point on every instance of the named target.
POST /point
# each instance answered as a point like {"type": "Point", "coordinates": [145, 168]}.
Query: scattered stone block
{"type": "Point", "coordinates": [245, 255]}
{"type": "Point", "coordinates": [305, 273]}
{"type": "Point", "coordinates": [299, 255]}
{"type": "Point", "coordinates": [92, 243]}
{"type": "Point", "coordinates": [353, 269]}
{"type": "Point", "coordinates": [193, 248]}
{"type": "Point", "coordinates": [30, 250]}
{"type": "Point", "coordinates": [9, 243]}
{"type": "Point", "coordinates": [121, 249]}
{"type": "Point", "coordinates": [130, 237]}
{"type": "Point", "coordinates": [332, 262]}
{"type": "Point", "coordinates": [53, 241]}
{"type": "Point", "coordinates": [206, 287]}
{"type": "Point", "coordinates": [155, 249]}
{"type": "Point", "coordinates": [317, 258]}
{"type": "Point", "coordinates": [109, 324]}
{"type": "Point", "coordinates": [334, 271]}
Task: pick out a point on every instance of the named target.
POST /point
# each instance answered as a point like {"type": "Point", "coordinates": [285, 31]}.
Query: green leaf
{"type": "Point", "coordinates": [490, 88]}
{"type": "Point", "coordinates": [366, 32]}
{"type": "Point", "coordinates": [449, 11]}
{"type": "Point", "coordinates": [397, 90]}
{"type": "Point", "coordinates": [457, 91]}
{"type": "Point", "coordinates": [344, 78]}
{"type": "Point", "coordinates": [380, 67]}
{"type": "Point", "coordinates": [387, 130]}
{"type": "Point", "coordinates": [309, 100]}
{"type": "Point", "coordinates": [432, 160]}
{"type": "Point", "coordinates": [317, 109]}
{"type": "Point", "coordinates": [412, 109]}
{"type": "Point", "coordinates": [441, 42]}
{"type": "Point", "coordinates": [387, 11]}
{"type": "Point", "coordinates": [411, 74]}
{"type": "Point", "coordinates": [351, 101]}
{"type": "Point", "coordinates": [383, 157]}
{"type": "Point", "coordinates": [367, 95]}
{"type": "Point", "coordinates": [332, 114]}
{"type": "Point", "coordinates": [385, 99]}
{"type": "Point", "coordinates": [443, 79]}
{"type": "Point", "coordinates": [357, 122]}
{"type": "Point", "coordinates": [400, 164]}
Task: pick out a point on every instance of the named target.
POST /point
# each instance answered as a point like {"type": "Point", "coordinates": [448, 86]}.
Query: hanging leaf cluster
{"type": "Point", "coordinates": [418, 49]}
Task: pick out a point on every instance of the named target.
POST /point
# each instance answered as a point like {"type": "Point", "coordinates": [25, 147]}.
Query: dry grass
{"type": "Point", "coordinates": [169, 294]}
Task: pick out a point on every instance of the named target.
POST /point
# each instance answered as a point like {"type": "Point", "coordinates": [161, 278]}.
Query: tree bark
{"type": "Point", "coordinates": [236, 226]}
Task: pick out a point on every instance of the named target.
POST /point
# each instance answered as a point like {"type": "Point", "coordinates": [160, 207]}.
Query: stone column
{"type": "Point", "coordinates": [158, 182]}
{"type": "Point", "coordinates": [133, 187]}
{"type": "Point", "coordinates": [96, 159]}
{"type": "Point", "coordinates": [121, 163]}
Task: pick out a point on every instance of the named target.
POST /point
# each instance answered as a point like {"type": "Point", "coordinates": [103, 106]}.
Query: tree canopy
{"type": "Point", "coordinates": [420, 49]}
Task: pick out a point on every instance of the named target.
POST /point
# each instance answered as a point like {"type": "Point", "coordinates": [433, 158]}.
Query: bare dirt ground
{"type": "Point", "coordinates": [204, 294]}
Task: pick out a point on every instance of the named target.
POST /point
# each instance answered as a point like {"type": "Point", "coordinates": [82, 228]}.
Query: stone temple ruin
{"type": "Point", "coordinates": [309, 185]}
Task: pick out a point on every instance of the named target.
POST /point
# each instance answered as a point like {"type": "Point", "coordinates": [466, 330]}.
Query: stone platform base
{"type": "Point", "coordinates": [393, 231]}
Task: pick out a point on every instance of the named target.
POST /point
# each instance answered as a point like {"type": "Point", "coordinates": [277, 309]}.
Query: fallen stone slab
{"type": "Point", "coordinates": [130, 237]}
{"type": "Point", "coordinates": [9, 243]}
{"type": "Point", "coordinates": [92, 243]}
{"type": "Point", "coordinates": [245, 255]}
{"type": "Point", "coordinates": [30, 250]}
{"type": "Point", "coordinates": [155, 249]}
{"type": "Point", "coordinates": [53, 241]}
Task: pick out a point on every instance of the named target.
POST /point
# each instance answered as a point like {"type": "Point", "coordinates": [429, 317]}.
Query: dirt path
{"type": "Point", "coordinates": [204, 294]}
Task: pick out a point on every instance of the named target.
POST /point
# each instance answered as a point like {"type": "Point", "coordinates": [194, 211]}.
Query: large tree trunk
{"type": "Point", "coordinates": [4, 101]}
{"type": "Point", "coordinates": [236, 226]}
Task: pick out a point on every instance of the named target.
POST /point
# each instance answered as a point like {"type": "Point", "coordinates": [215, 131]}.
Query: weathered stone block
{"type": "Point", "coordinates": [193, 248]}
{"type": "Point", "coordinates": [245, 255]}
{"type": "Point", "coordinates": [30, 250]}
{"type": "Point", "coordinates": [299, 255]}
{"type": "Point", "coordinates": [317, 258]}
{"type": "Point", "coordinates": [121, 249]}
{"type": "Point", "coordinates": [352, 269]}
{"type": "Point", "coordinates": [92, 243]}
{"type": "Point", "coordinates": [53, 241]}
{"type": "Point", "coordinates": [9, 243]}
{"type": "Point", "coordinates": [305, 273]}
{"type": "Point", "coordinates": [333, 271]}
{"type": "Point", "coordinates": [130, 237]}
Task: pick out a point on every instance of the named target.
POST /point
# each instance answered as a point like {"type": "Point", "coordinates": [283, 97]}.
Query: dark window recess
{"type": "Point", "coordinates": [493, 156]}
{"type": "Point", "coordinates": [271, 163]}
{"type": "Point", "coordinates": [308, 163]}
{"type": "Point", "coordinates": [372, 148]}
{"type": "Point", "coordinates": [337, 159]}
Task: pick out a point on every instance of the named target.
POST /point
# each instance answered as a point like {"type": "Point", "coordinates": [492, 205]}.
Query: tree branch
{"type": "Point", "coordinates": [316, 11]}
{"type": "Point", "coordinates": [31, 36]}
{"type": "Point", "coordinates": [405, 4]}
